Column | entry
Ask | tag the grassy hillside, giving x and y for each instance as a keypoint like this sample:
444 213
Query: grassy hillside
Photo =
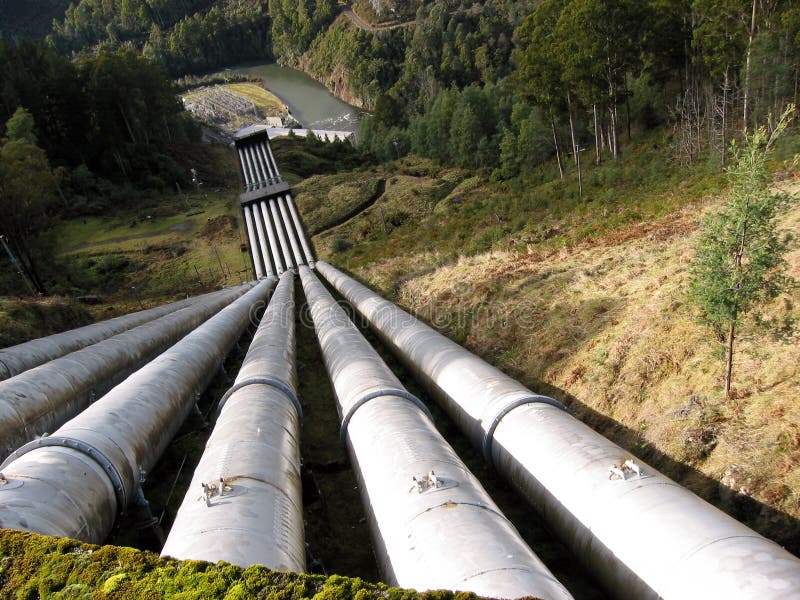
585 299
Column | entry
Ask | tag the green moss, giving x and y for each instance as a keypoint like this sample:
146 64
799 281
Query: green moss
36 566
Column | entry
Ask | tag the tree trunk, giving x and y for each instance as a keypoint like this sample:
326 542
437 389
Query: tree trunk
628 115
572 130
729 366
558 152
746 112
596 134
725 116
613 141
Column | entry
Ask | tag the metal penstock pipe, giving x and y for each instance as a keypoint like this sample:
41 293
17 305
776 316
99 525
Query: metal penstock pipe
434 525
642 534
41 399
17 359
76 482
254 514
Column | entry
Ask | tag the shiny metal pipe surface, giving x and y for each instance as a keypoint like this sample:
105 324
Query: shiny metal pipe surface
299 259
262 150
17 359
254 449
274 164
434 525
643 536
261 177
284 245
41 399
248 185
75 482
251 169
262 239
273 244
254 246
298 225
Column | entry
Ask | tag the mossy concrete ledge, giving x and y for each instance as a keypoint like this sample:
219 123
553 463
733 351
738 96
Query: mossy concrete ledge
37 566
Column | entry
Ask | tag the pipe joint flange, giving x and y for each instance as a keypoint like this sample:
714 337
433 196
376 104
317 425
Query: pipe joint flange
377 394
101 459
488 437
278 385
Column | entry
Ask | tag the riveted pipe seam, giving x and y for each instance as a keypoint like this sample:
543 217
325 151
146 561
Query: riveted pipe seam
372 396
488 438
279 385
106 464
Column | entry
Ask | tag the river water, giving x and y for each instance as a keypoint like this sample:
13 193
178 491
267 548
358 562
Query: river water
309 102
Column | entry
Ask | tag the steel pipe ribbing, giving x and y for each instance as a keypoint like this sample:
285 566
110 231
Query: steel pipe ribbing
17 359
642 534
41 399
255 514
434 525
75 482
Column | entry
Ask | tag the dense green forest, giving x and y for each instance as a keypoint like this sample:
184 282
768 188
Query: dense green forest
498 85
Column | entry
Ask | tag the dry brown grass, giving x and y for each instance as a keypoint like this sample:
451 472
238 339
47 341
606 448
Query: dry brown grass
607 327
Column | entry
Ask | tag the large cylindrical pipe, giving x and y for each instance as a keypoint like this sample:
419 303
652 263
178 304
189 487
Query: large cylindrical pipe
75 482
263 154
273 243
41 399
251 236
264 249
262 163
251 171
17 359
643 535
298 225
274 164
248 177
287 224
261 176
254 450
284 245
434 525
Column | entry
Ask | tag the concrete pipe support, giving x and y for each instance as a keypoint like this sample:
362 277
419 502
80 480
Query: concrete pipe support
255 514
76 482
41 399
434 525
642 534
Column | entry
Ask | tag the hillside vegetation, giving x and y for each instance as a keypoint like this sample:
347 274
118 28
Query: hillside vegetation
586 300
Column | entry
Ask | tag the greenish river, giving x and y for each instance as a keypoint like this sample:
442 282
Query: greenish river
309 102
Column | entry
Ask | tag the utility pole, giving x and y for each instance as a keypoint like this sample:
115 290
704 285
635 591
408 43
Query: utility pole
17 266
